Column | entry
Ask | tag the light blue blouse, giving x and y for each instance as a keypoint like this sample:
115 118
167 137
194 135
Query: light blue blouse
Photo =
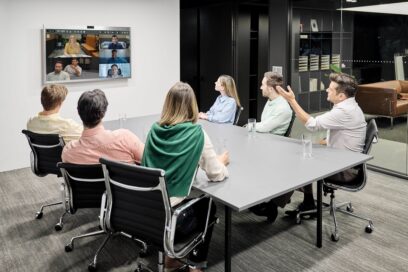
223 110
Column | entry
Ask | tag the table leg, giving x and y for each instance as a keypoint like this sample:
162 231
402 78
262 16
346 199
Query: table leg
227 239
319 214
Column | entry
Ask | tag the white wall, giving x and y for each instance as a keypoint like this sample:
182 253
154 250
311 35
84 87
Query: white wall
155 61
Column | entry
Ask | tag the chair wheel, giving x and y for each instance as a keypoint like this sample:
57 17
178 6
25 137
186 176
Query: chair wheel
58 226
298 221
334 237
38 215
369 229
92 267
349 208
144 253
69 247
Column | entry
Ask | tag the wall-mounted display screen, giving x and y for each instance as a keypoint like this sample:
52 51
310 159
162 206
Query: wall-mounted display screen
86 54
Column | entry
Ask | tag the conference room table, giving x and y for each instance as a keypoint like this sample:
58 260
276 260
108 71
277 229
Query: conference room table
262 166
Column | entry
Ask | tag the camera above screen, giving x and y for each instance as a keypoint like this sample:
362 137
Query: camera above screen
90 53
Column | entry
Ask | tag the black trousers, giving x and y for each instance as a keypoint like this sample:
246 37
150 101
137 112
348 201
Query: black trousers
193 220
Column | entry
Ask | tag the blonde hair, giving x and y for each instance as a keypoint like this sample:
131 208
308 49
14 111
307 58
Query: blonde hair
53 96
229 87
180 105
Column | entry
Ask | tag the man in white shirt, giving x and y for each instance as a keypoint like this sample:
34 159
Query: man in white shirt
58 74
73 69
345 125
49 121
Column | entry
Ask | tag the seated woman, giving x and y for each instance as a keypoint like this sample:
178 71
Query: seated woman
225 106
178 144
72 46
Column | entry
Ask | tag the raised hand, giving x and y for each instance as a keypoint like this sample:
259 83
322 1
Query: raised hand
287 94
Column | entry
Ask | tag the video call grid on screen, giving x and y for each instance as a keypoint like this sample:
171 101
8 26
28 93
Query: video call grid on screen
86 54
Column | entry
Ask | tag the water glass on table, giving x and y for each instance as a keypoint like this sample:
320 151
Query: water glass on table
251 126
307 145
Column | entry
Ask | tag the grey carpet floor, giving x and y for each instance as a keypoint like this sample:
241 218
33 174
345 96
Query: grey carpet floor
28 244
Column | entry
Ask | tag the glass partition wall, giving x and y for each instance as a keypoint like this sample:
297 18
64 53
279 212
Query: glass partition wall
368 41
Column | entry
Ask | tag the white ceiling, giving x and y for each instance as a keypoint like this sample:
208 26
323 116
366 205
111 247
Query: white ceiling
395 8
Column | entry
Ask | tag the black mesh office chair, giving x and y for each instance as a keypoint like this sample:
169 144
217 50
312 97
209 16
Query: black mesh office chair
137 205
45 153
355 185
237 115
84 187
292 120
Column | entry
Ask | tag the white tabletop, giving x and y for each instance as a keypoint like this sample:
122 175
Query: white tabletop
262 166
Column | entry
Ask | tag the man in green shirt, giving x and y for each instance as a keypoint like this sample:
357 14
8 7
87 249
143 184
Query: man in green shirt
277 113
275 119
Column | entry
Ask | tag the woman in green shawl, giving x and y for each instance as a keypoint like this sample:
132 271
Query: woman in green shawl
177 144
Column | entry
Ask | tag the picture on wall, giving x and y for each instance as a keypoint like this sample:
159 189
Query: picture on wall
86 54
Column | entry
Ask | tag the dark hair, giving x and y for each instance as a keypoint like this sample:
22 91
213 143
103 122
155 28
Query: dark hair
114 50
58 61
114 36
114 65
92 106
346 84
273 79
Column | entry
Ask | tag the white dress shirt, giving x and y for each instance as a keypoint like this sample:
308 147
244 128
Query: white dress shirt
345 124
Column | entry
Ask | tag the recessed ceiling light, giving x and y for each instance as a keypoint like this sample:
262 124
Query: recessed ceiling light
351 1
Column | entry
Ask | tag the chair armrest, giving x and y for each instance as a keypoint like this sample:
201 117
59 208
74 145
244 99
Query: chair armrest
196 237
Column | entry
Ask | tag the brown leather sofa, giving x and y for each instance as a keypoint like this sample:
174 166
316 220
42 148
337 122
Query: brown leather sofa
387 99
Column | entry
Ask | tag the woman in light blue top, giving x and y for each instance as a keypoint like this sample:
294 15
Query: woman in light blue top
225 106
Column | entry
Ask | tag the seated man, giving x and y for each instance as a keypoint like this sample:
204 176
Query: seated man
115 58
345 125
115 44
58 74
96 141
73 69
277 113
49 121
275 119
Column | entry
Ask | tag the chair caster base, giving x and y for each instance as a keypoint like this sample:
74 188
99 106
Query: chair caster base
58 226
369 228
38 215
334 237
144 253
92 267
69 247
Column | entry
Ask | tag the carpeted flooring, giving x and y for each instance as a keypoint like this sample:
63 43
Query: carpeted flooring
28 244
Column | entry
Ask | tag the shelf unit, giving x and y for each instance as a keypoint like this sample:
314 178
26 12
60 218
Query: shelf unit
313 54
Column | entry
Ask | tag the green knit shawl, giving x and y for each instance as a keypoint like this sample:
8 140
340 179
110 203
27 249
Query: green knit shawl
177 150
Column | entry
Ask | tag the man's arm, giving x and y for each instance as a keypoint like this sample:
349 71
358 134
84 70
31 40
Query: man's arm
290 97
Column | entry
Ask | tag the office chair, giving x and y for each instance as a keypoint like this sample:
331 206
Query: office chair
84 187
355 185
292 120
45 153
237 115
137 205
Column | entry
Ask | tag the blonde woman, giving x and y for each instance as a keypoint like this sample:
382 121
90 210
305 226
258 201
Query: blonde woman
225 106
72 46
177 144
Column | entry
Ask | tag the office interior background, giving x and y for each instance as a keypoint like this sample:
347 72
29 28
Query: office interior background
196 41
